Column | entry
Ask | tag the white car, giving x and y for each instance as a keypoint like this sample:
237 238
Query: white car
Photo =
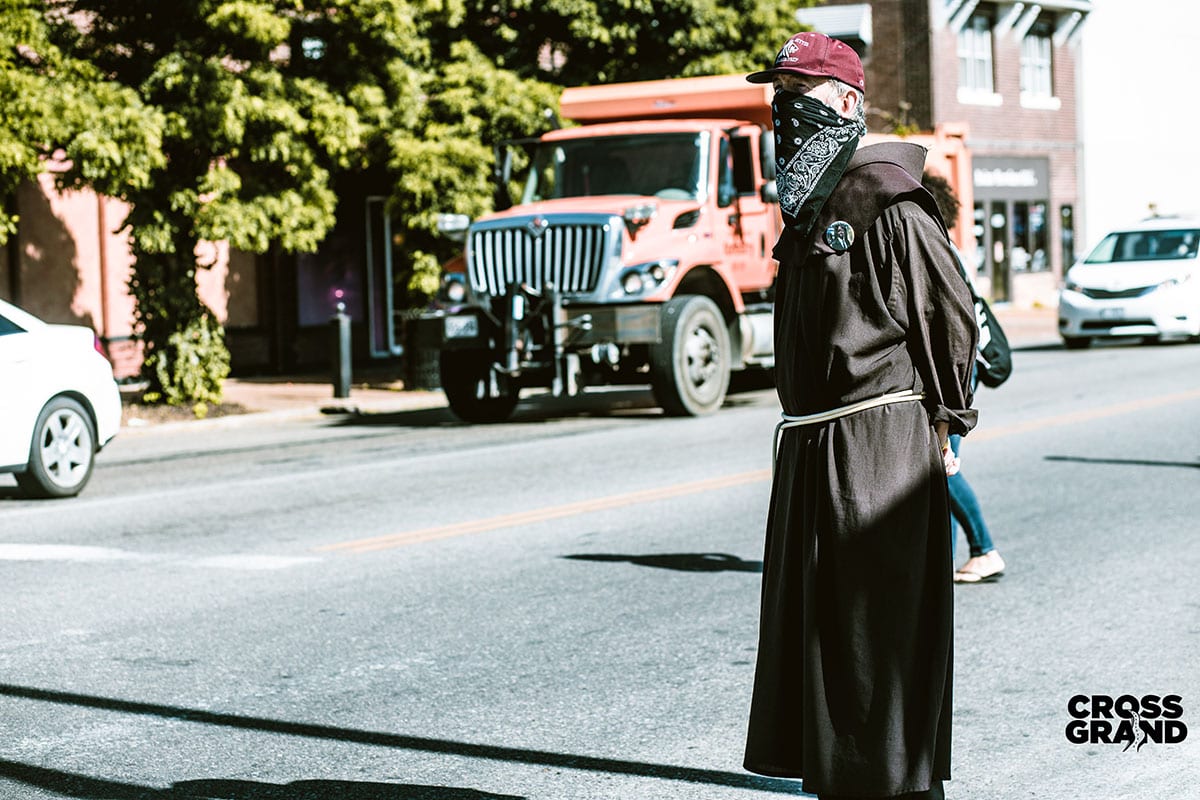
1143 281
59 403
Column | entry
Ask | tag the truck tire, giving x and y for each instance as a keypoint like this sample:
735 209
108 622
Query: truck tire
689 368
62 452
464 376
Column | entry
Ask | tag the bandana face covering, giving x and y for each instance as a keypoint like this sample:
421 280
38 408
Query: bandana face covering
813 144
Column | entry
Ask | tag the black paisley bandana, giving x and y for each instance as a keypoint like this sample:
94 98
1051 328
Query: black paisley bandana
813 144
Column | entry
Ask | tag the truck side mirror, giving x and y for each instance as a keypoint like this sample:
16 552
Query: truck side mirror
501 174
725 196
766 154
726 189
769 192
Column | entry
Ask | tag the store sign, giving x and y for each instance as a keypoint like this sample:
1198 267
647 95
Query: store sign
1006 177
1011 178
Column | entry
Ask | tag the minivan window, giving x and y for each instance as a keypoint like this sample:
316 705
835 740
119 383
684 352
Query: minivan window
1146 246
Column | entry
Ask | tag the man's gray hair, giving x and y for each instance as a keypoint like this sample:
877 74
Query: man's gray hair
859 112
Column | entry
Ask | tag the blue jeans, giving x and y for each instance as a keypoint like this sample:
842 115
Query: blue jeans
965 511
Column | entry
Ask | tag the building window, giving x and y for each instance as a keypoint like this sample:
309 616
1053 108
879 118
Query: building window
1037 73
975 73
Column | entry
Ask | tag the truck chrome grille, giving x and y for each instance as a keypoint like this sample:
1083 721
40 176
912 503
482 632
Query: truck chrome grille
536 251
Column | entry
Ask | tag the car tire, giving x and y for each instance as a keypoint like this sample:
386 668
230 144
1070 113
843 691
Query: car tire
689 368
1077 342
464 375
62 453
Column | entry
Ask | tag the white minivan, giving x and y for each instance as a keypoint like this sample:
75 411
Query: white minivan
59 403
1140 281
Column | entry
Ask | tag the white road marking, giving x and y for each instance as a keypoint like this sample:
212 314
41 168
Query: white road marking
18 551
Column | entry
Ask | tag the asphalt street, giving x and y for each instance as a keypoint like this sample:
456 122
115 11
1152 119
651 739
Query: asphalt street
398 606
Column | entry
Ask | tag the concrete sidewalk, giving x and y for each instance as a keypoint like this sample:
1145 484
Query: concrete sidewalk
380 390
1029 327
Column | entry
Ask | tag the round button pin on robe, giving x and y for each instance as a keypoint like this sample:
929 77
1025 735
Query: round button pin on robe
839 236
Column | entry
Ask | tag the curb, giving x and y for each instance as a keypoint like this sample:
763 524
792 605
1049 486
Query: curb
416 401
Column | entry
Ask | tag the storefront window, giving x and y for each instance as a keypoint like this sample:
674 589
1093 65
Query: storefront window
1020 248
1012 228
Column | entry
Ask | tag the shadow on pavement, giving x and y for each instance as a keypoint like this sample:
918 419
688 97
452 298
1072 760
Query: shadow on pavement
422 744
632 404
682 562
83 786
1124 462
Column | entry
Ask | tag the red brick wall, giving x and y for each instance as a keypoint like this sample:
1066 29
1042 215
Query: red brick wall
896 63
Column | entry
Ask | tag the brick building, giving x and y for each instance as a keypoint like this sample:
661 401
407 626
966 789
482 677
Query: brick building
1006 72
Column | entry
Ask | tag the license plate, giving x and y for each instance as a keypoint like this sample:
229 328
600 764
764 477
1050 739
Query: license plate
462 327
1112 313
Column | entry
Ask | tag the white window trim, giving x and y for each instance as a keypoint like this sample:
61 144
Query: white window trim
977 97
1040 101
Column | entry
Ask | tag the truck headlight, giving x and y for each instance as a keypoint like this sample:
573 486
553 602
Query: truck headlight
454 288
642 278
1170 283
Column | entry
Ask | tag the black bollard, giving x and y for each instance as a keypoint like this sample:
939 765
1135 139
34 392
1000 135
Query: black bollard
340 323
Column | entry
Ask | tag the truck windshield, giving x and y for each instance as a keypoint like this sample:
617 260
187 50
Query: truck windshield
664 165
1145 246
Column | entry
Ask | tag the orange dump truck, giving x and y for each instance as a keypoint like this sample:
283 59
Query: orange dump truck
638 253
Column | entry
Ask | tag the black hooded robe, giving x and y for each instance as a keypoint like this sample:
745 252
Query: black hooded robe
852 686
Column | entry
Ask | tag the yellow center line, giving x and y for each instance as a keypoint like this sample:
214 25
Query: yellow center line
1073 417
710 484
549 513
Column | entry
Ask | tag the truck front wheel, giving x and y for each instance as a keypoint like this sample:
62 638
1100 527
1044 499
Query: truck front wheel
689 368
466 378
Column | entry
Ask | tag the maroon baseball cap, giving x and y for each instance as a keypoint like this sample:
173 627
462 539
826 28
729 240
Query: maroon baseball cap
811 53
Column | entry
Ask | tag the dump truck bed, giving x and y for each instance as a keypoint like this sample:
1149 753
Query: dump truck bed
718 96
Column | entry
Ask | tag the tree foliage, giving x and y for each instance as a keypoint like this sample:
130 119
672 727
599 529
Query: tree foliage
241 116
607 41
54 105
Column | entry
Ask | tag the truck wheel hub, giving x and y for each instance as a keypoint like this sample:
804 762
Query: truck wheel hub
703 356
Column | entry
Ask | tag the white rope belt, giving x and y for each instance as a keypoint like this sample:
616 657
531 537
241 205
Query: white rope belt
906 396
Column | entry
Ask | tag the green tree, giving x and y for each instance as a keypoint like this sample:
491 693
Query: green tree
267 105
607 41
57 106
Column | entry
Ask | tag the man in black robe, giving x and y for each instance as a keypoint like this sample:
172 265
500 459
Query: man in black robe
874 341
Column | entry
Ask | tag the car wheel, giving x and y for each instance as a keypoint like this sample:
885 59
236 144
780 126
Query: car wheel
465 377
689 369
1076 342
62 453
